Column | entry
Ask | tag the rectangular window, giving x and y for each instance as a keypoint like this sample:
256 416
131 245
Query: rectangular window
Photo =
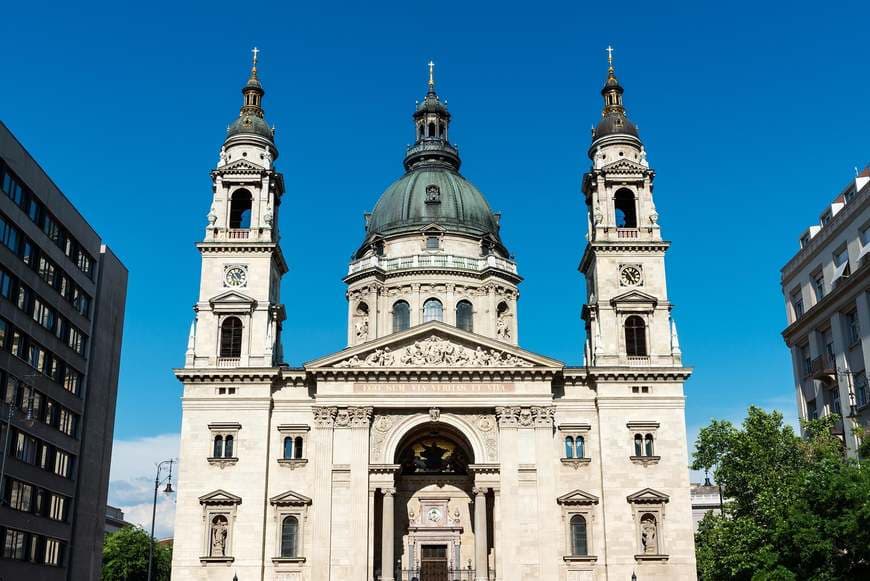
72 380
826 218
14 545
20 496
62 463
861 388
5 284
797 303
57 508
806 360
853 331
53 552
812 412
819 285
66 421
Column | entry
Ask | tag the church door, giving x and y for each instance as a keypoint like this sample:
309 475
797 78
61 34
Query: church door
433 563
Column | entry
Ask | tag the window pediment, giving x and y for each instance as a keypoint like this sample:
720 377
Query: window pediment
220 497
648 495
232 302
577 497
240 166
290 498
634 300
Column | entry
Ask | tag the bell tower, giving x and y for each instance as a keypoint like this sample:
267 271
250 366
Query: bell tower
239 313
627 313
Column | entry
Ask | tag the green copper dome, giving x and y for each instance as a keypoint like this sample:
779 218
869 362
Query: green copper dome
250 124
432 195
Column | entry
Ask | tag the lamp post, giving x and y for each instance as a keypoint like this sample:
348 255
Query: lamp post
10 413
167 490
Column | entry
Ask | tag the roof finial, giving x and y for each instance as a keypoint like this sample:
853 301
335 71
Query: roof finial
609 50
431 76
256 51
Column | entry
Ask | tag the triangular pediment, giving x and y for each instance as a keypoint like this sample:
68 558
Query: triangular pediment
434 345
220 497
624 166
577 497
433 228
634 297
232 300
648 495
290 498
240 166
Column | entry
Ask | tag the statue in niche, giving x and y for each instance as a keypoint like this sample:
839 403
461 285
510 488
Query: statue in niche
362 329
502 329
219 528
648 535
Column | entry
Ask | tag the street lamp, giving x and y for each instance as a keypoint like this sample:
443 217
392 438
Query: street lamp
166 490
29 420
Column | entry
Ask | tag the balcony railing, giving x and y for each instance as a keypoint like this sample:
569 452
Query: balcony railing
228 361
823 368
238 233
638 360
447 574
626 232
433 261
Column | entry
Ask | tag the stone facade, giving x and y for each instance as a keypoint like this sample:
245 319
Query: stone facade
828 311
434 447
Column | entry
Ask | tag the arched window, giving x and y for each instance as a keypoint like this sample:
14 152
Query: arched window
288 448
297 448
465 316
231 337
218 450
433 311
635 337
580 447
626 211
569 447
431 130
579 546
401 316
228 447
289 533
240 209
421 131
638 445
648 450
441 130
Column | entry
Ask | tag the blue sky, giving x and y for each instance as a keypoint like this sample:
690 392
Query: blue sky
753 115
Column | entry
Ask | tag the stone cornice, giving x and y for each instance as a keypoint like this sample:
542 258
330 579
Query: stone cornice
829 232
639 373
245 246
620 246
410 374
382 276
820 312
228 374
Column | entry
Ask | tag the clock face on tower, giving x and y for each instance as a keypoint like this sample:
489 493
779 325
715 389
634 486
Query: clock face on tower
434 515
630 276
236 276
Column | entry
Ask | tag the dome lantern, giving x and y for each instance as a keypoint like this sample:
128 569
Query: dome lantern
431 124
251 118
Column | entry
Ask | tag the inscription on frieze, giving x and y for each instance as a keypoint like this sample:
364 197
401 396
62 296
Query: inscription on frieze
459 388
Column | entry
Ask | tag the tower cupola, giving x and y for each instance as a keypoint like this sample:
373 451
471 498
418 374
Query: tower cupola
431 124
251 120
614 120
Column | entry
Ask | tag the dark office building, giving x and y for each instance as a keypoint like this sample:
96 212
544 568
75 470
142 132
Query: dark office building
62 294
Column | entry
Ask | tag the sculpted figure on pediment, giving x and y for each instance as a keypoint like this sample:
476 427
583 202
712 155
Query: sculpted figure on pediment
435 351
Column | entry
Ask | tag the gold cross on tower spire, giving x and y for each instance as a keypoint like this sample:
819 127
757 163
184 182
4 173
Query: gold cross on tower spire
431 74
256 51
609 50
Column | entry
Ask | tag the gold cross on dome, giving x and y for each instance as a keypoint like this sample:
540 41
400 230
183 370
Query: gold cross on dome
256 51
431 73
609 50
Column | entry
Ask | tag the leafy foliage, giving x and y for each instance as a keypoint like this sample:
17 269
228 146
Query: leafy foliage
125 557
797 508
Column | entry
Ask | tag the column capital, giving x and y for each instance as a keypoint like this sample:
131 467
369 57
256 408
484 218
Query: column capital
480 490
388 491
324 417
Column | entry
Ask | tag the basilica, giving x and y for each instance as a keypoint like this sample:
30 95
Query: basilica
433 447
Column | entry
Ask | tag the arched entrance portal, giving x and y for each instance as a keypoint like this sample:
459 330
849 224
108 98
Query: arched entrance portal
435 524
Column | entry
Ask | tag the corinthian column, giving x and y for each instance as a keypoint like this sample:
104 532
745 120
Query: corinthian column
480 543
387 540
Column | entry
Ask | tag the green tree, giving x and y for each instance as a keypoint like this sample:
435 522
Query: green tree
125 557
796 508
